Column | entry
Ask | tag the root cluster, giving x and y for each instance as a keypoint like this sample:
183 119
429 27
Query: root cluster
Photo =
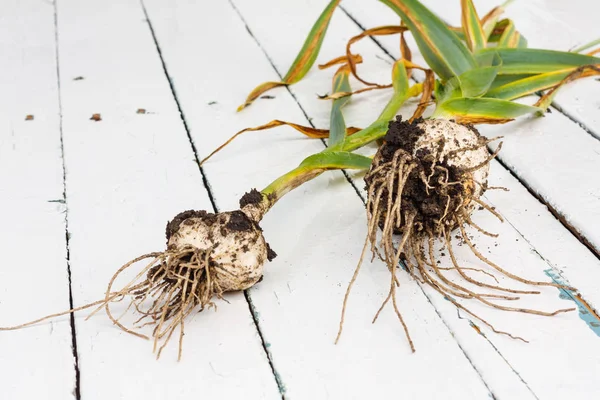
207 255
424 198
172 286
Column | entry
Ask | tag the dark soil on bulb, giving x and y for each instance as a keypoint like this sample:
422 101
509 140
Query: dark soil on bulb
428 204
251 197
173 225
239 222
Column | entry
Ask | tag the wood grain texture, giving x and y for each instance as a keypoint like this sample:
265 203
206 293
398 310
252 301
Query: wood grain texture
510 370
130 172
34 275
127 175
317 230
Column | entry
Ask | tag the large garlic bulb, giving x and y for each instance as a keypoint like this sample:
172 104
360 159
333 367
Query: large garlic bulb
436 170
457 145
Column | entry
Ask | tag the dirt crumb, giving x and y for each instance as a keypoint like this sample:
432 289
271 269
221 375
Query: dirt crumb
251 197
96 117
270 253
403 134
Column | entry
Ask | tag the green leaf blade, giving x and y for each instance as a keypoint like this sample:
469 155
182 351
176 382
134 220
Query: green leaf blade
337 124
442 49
484 108
337 160
528 85
305 58
536 61
476 82
312 45
401 91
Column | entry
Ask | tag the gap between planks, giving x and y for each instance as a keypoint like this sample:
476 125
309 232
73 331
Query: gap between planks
287 87
77 387
247 296
360 195
510 171
559 216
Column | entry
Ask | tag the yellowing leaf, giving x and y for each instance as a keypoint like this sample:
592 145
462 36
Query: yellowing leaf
474 34
313 166
339 95
528 85
535 61
356 58
482 109
581 72
441 48
258 91
305 58
490 20
510 37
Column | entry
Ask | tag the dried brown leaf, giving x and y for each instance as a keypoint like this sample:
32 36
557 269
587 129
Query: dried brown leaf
309 131
426 95
378 31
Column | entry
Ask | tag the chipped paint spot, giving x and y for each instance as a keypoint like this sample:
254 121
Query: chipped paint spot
586 312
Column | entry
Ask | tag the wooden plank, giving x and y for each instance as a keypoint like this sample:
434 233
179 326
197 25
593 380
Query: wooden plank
532 219
492 354
34 275
127 175
530 148
298 303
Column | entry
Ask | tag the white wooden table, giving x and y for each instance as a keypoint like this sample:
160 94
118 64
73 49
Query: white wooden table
79 197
